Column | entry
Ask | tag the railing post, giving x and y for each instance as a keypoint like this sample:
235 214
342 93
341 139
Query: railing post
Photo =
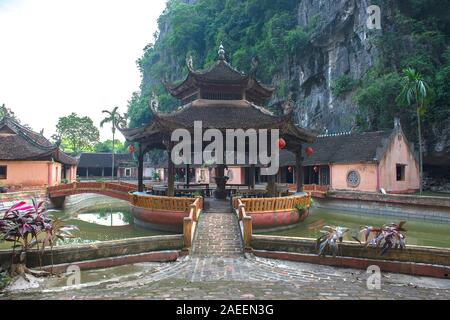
187 232
247 221
194 212
241 208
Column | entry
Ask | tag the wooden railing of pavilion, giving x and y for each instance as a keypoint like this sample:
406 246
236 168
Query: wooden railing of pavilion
190 222
255 205
162 203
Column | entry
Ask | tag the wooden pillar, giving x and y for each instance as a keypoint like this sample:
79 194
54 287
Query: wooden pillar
188 176
271 185
87 173
252 176
299 169
141 169
170 172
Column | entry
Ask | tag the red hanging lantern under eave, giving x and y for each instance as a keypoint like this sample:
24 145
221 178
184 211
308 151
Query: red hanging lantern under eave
281 143
309 151
131 149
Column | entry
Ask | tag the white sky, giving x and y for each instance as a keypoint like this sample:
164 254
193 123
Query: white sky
63 56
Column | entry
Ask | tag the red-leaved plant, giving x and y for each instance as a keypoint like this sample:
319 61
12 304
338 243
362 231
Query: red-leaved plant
29 226
387 237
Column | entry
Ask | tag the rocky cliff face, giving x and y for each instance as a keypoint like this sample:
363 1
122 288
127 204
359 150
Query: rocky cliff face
339 47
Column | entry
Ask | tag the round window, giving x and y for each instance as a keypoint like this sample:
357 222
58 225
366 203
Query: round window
353 179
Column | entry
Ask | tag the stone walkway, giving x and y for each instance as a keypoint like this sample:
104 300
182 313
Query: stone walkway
218 233
218 269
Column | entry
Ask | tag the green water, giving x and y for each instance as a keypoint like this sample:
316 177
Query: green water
419 232
100 224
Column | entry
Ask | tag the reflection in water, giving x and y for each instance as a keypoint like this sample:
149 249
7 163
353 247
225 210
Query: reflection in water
114 219
422 233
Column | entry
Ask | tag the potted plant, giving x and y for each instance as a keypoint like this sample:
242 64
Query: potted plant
387 237
330 239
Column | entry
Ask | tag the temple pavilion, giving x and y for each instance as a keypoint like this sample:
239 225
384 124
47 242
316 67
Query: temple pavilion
222 98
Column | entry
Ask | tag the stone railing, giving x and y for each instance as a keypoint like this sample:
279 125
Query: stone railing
246 224
255 205
190 222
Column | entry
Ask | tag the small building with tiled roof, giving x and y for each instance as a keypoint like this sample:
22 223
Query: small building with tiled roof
368 161
29 160
99 165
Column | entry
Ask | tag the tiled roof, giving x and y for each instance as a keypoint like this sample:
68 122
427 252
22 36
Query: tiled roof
103 160
20 143
342 148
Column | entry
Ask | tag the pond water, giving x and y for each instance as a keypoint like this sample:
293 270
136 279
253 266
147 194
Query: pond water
100 224
419 232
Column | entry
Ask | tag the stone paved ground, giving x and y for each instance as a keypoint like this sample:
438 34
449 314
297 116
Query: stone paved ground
233 276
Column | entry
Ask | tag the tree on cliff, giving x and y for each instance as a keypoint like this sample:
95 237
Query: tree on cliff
76 134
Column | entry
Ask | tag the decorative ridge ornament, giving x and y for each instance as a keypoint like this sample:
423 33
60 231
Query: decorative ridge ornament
221 52
190 63
153 103
254 66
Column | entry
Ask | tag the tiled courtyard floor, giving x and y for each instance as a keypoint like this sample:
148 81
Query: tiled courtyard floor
217 269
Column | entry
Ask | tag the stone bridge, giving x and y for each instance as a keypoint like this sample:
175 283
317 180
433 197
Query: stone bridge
118 190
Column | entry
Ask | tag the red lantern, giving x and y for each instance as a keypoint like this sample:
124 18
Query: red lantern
290 169
309 151
131 149
316 168
281 143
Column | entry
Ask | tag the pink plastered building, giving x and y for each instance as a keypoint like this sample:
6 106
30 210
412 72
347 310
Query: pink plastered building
29 161
367 162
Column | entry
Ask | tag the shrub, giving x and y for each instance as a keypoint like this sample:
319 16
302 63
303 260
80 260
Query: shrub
342 85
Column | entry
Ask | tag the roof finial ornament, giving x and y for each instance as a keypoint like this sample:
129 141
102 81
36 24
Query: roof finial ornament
221 52
190 62
153 103
254 65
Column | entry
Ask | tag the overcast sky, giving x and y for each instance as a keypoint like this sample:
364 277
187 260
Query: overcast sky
63 56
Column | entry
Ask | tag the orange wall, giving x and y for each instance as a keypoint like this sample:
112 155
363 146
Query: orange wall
399 153
367 173
31 173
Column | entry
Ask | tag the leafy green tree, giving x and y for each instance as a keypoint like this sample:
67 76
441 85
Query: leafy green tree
416 92
77 134
114 118
107 147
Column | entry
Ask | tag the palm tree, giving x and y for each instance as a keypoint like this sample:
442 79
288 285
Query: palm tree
416 92
114 117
